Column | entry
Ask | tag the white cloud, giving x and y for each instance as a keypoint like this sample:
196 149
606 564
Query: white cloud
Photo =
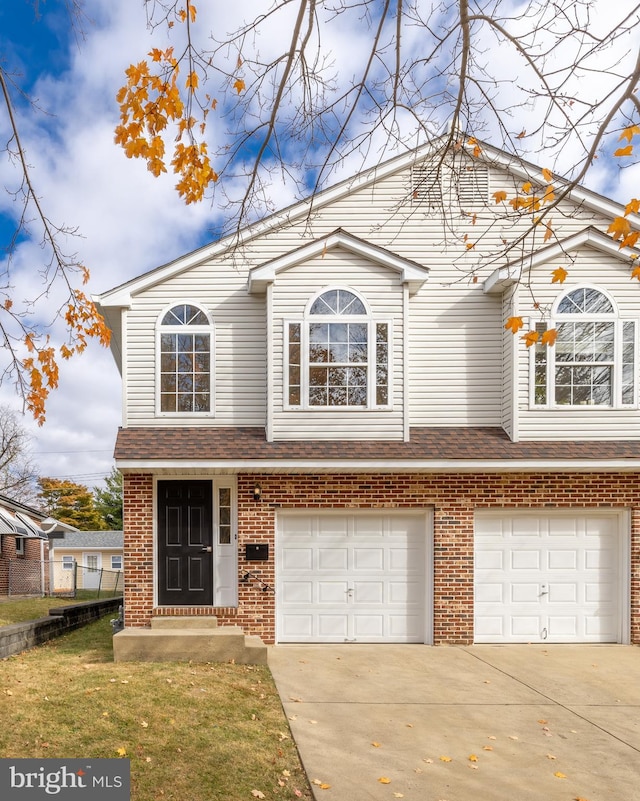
130 221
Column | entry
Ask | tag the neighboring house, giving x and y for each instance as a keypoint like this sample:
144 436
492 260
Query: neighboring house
23 548
329 436
87 559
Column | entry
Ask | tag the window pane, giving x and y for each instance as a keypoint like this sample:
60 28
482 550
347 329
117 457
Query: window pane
585 301
295 354
338 301
628 362
167 403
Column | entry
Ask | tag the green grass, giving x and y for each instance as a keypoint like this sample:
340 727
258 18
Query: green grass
19 610
193 732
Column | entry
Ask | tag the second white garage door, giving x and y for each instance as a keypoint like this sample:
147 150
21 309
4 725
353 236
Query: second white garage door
352 577
546 576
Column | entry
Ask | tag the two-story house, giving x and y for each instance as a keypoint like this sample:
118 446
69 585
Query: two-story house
329 435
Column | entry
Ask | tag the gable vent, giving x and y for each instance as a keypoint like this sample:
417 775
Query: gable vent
426 185
473 186
469 185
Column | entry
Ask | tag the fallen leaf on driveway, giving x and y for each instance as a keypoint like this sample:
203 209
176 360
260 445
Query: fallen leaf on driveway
473 758
384 780
559 775
376 745
445 759
257 794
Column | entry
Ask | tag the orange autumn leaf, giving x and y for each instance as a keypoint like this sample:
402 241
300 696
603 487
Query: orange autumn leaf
499 196
445 759
629 133
473 758
514 324
547 175
530 338
526 187
635 273
619 228
632 207
549 337
630 240
559 275
624 151
239 85
559 775
384 780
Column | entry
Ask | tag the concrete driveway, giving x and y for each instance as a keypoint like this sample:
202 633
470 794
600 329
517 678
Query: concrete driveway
478 723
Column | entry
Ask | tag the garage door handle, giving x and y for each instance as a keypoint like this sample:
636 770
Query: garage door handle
544 592
349 592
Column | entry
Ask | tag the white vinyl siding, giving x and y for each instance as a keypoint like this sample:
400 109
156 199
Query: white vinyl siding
238 352
292 292
535 422
459 359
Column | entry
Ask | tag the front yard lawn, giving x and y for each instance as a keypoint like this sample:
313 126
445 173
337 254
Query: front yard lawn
193 732
21 609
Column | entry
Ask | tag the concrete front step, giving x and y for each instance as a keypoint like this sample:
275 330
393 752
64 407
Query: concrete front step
215 644
183 622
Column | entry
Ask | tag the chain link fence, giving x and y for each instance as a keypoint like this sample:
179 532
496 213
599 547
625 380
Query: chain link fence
65 579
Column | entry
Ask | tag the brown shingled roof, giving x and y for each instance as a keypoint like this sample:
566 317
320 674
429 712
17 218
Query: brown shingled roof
235 443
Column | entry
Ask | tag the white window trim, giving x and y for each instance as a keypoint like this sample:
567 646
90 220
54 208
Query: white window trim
304 404
617 364
192 329
120 559
68 562
20 549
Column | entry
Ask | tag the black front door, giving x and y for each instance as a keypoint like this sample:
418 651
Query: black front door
185 543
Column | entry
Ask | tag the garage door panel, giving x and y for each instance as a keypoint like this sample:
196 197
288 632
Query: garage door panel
525 626
364 582
297 558
331 628
331 592
490 593
297 592
489 559
332 559
368 559
368 592
560 593
525 560
558 583
523 593
562 559
370 627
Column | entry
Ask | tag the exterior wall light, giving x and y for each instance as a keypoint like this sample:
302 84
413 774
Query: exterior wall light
257 492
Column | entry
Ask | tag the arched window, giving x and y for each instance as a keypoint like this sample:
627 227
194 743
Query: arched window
339 355
184 371
593 360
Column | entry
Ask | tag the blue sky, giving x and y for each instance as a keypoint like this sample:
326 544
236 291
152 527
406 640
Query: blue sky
128 221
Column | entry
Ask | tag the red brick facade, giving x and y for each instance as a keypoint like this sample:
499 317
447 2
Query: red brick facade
453 498
32 552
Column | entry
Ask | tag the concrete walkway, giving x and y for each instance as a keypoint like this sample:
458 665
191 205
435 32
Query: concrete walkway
479 723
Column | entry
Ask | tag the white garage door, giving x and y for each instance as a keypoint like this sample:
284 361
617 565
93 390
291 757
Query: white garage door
351 577
549 577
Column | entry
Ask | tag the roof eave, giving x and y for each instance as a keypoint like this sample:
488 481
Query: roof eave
378 465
